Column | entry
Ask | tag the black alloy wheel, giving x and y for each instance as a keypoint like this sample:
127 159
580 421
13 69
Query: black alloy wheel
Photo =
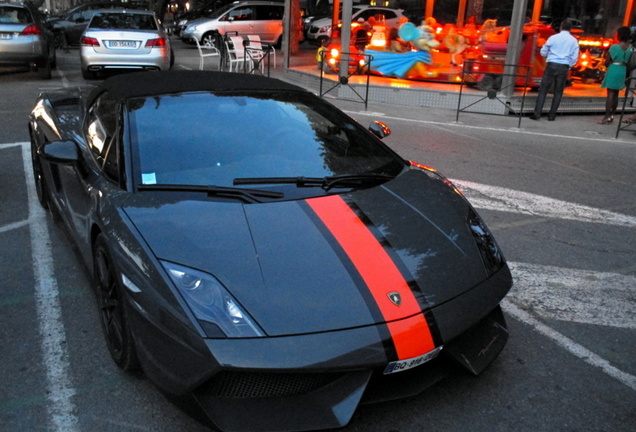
112 308
60 40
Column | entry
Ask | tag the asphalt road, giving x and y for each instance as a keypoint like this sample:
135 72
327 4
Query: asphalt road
558 196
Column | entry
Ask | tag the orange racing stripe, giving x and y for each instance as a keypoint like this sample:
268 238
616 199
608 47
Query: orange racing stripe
411 337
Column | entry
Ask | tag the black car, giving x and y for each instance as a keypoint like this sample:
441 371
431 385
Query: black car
25 38
69 25
254 246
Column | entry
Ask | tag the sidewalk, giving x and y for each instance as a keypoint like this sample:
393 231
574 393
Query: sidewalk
580 125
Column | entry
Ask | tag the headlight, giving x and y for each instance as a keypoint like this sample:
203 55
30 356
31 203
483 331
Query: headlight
211 303
489 250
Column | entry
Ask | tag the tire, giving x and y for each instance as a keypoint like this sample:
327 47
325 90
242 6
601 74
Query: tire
171 58
489 82
54 60
44 68
38 176
112 305
210 39
88 75
322 40
60 40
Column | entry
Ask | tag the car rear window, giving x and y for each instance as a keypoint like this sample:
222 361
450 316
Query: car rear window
120 21
14 15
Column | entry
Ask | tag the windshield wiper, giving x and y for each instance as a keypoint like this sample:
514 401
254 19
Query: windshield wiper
246 195
346 180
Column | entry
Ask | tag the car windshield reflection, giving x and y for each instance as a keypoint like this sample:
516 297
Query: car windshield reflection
211 139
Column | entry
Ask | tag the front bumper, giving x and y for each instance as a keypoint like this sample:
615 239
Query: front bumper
188 34
271 401
316 381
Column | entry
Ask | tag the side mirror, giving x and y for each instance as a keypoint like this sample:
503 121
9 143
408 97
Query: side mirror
379 129
61 152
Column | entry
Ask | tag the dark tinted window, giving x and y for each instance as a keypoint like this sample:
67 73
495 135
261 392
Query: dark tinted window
265 13
83 15
101 130
241 14
122 21
14 15
368 13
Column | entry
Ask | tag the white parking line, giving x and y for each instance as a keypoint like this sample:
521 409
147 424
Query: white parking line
579 296
513 201
572 347
52 334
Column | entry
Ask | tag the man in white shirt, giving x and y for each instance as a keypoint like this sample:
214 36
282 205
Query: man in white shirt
561 52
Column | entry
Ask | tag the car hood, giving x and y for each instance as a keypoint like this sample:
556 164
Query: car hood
308 266
321 22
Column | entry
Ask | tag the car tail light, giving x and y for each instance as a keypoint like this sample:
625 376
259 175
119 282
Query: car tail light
89 41
31 30
160 42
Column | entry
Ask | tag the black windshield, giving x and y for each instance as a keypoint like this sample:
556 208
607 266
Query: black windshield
212 139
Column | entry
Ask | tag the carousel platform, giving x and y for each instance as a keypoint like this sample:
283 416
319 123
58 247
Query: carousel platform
577 98
443 92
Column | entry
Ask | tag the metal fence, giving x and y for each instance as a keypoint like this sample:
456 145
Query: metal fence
492 85
357 64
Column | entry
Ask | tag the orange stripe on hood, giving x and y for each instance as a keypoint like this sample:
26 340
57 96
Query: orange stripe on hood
412 336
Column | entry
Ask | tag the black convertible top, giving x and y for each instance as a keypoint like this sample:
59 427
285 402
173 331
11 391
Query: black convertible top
137 84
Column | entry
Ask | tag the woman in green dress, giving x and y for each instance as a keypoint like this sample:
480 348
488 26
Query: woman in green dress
616 61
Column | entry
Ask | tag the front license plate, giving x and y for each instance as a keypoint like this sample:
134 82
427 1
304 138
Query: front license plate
122 44
402 365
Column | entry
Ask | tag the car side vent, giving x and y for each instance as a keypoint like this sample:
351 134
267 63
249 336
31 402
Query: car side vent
244 385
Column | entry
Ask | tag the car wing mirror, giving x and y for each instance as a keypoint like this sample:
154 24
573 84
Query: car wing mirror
379 129
61 152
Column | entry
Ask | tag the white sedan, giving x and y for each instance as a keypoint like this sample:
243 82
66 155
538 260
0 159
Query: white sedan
124 39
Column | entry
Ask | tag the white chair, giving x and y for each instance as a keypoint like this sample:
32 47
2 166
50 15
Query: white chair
236 54
257 52
211 52
269 51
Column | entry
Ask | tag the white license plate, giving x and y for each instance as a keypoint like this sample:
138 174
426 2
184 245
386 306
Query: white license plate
5 35
122 44
402 365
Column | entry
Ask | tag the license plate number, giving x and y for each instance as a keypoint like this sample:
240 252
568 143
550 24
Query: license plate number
122 44
402 365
